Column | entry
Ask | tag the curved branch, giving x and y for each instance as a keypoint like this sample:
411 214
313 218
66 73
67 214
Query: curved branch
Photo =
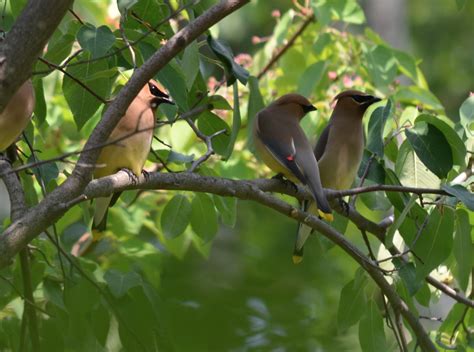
25 42
249 191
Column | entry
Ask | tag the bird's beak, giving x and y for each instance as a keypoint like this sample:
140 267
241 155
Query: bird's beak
309 108
371 100
162 100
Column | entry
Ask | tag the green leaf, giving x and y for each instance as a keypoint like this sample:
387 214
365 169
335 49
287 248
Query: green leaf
400 219
407 273
224 54
376 170
418 95
462 194
406 64
371 329
466 113
173 78
210 123
59 48
411 171
125 5
53 293
311 77
431 147
458 147
204 217
218 102
178 158
352 304
45 172
119 283
381 65
95 40
82 103
176 216
236 123
190 64
463 249
338 10
435 242
375 129
227 207
40 105
255 104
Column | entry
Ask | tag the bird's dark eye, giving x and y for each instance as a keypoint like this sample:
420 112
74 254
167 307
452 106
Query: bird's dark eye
156 91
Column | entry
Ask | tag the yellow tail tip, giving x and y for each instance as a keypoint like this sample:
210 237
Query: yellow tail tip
97 235
297 259
326 216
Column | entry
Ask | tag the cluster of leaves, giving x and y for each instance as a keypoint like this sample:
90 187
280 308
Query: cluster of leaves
114 299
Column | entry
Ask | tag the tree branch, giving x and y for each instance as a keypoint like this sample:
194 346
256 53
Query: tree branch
18 208
249 191
25 42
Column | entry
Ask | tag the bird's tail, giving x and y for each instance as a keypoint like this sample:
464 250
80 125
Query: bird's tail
100 217
303 232
324 209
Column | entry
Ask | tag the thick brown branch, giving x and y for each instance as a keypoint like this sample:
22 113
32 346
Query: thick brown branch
25 42
248 190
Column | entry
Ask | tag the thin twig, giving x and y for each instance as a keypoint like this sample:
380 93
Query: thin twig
194 112
206 139
283 49
78 81
71 11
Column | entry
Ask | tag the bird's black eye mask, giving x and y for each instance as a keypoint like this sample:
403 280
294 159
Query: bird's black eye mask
156 91
160 97
365 100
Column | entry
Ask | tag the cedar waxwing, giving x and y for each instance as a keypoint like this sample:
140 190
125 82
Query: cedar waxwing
16 115
130 153
283 146
13 120
338 151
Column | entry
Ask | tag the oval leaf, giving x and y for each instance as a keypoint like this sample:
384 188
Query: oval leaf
176 216
431 147
95 40
204 217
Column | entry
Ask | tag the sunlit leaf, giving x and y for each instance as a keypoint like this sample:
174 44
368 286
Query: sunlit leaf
236 123
466 112
218 102
176 216
418 95
463 249
311 77
227 207
411 171
338 10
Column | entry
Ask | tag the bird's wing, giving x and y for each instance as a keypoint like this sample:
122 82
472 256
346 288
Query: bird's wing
322 142
280 144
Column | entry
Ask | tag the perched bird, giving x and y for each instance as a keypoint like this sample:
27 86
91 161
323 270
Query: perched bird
13 120
16 115
130 153
338 151
283 146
